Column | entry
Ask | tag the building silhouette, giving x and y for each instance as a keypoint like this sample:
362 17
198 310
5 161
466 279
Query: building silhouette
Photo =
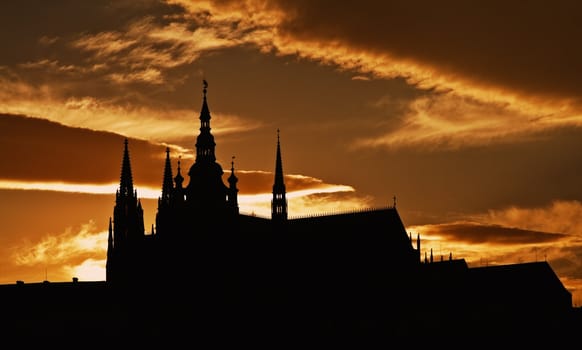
210 272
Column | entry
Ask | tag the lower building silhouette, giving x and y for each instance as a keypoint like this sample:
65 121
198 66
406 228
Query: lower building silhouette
206 272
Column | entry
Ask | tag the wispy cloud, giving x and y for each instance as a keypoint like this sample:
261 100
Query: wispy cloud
449 120
322 199
163 124
74 244
146 48
559 216
148 75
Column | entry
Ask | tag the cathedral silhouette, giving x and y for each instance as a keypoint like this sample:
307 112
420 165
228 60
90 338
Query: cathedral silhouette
204 214
207 271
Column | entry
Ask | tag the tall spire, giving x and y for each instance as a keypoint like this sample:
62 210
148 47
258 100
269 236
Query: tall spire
205 142
126 180
128 213
279 183
167 186
179 179
232 190
279 202
206 191
205 112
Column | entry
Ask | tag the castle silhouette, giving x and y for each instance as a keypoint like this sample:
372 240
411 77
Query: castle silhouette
208 271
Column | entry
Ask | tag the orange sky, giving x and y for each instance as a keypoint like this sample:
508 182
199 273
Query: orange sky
468 112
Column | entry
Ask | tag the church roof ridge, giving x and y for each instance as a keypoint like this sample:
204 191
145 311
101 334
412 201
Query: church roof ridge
342 212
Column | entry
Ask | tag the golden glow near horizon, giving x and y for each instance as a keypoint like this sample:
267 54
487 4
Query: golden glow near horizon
73 253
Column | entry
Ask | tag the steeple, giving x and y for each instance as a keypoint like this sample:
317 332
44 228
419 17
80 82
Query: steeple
172 197
179 179
128 213
431 257
232 190
167 186
206 193
127 229
205 144
232 179
279 202
126 179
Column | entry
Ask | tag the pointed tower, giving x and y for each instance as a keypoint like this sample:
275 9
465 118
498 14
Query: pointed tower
279 201
126 178
431 256
232 190
164 213
127 232
205 144
127 215
206 194
167 183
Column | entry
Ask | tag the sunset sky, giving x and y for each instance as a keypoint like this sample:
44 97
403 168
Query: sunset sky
468 112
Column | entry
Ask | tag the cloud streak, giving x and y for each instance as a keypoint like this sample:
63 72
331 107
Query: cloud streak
490 234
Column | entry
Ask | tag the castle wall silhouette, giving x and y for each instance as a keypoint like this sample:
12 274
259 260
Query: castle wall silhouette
209 271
